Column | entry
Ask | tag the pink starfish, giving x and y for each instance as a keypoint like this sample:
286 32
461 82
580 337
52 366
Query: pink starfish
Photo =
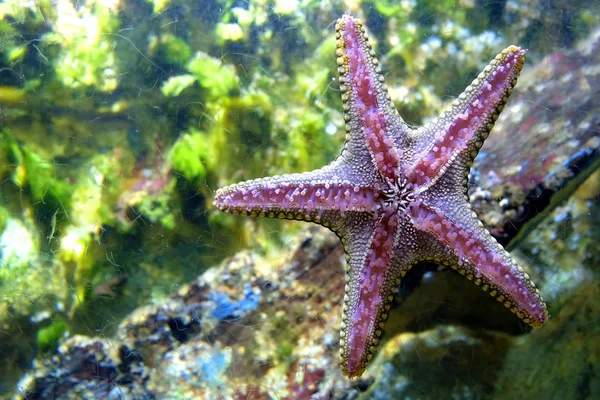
397 196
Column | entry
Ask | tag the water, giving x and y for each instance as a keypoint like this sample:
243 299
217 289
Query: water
120 279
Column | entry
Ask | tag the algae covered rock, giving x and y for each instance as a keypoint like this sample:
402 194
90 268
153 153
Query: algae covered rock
197 342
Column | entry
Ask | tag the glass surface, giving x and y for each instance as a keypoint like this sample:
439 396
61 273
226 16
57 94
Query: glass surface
120 279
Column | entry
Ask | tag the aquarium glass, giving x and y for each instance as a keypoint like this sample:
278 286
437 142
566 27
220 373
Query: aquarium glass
135 265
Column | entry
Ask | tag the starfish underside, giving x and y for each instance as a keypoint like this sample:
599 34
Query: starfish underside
397 196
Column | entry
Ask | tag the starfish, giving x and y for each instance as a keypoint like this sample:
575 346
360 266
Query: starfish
397 196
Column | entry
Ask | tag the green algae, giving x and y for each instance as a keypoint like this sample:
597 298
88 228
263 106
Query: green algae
48 338
31 172
85 60
188 157
247 122
388 8
159 5
173 50
218 79
159 209
173 86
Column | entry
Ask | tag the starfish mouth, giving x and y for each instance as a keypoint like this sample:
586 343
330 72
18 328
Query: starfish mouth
398 194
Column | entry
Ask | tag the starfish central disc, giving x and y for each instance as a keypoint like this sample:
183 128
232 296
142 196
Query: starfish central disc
397 194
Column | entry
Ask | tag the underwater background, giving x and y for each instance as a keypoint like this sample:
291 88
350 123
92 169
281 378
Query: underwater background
119 279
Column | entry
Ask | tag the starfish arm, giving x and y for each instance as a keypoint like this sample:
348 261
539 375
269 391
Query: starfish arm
320 196
371 279
374 128
464 126
470 249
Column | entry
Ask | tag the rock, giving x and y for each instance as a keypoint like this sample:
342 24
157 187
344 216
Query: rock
88 368
544 145
244 330
255 329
